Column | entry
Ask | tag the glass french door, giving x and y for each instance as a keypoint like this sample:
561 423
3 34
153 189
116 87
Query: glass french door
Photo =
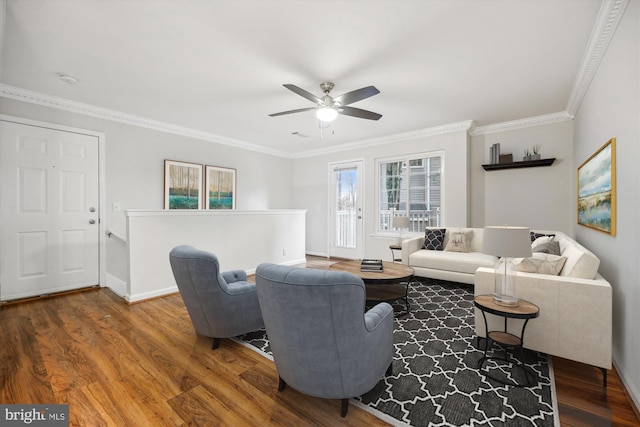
346 217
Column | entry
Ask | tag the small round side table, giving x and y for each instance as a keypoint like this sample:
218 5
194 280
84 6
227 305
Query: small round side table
524 310
393 249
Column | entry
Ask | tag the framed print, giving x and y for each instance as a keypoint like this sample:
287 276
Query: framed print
182 185
597 190
220 187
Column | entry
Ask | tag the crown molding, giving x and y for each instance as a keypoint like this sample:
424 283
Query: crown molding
546 119
401 137
609 16
32 97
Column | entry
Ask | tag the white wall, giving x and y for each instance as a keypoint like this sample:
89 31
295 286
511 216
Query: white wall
611 108
135 170
240 239
311 184
539 198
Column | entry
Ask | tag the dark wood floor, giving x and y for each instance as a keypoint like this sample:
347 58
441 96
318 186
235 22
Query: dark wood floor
142 365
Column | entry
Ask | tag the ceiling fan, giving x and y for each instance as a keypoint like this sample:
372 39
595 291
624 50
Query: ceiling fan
327 107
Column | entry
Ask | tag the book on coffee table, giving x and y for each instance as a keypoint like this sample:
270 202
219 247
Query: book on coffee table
371 265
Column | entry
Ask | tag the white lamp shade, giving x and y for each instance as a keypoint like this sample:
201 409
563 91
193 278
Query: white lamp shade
326 114
400 222
505 241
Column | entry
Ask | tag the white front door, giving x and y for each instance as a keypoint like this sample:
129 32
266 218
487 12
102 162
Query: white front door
346 217
49 233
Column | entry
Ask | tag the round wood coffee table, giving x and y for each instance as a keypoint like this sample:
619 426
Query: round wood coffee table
390 284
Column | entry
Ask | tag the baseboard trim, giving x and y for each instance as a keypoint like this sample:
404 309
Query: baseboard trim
117 286
632 393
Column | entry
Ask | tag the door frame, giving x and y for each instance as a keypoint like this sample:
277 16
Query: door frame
101 180
360 240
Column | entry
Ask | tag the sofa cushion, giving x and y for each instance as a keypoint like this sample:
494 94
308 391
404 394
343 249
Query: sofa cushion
459 241
551 247
540 263
433 238
542 239
580 262
462 262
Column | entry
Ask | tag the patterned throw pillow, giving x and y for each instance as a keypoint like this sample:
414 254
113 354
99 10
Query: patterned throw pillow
551 247
534 236
434 238
459 241
540 263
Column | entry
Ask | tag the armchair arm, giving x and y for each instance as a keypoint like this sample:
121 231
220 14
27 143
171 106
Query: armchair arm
377 314
235 276
240 287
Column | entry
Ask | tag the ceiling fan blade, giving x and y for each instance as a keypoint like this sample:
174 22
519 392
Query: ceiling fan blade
299 110
356 95
303 93
357 112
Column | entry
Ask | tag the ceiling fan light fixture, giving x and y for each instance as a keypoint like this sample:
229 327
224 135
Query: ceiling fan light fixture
326 114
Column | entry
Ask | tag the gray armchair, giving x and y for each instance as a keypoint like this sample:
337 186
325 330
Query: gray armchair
323 342
220 304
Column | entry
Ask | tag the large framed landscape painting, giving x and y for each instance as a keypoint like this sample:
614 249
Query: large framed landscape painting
597 190
220 186
182 185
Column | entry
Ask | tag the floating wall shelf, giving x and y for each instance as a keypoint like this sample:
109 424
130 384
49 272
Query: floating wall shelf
514 165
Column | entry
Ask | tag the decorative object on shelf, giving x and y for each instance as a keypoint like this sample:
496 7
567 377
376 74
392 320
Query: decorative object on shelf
182 185
532 155
535 153
400 223
597 190
220 185
494 153
529 164
505 158
506 242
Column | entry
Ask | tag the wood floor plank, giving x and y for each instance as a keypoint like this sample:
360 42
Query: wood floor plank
24 378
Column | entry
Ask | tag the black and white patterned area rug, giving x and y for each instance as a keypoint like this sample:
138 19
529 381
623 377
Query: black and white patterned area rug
435 379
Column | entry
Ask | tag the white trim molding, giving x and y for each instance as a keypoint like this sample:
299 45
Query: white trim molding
32 97
401 137
609 16
522 123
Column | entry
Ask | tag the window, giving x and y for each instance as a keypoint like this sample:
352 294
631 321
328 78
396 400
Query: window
413 191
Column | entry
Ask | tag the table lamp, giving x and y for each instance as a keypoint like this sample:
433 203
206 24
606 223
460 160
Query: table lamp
400 223
506 242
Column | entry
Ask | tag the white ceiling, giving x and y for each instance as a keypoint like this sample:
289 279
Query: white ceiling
217 67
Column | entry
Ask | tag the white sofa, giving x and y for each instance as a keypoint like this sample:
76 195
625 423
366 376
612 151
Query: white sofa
444 265
575 320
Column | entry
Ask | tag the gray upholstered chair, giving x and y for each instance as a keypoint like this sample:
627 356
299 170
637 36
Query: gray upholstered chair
220 304
323 342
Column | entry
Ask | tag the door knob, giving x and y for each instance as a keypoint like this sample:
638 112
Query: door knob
92 221
92 209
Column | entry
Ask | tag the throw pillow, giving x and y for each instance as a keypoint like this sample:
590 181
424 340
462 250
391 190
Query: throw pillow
459 241
434 238
534 235
542 239
540 263
552 248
